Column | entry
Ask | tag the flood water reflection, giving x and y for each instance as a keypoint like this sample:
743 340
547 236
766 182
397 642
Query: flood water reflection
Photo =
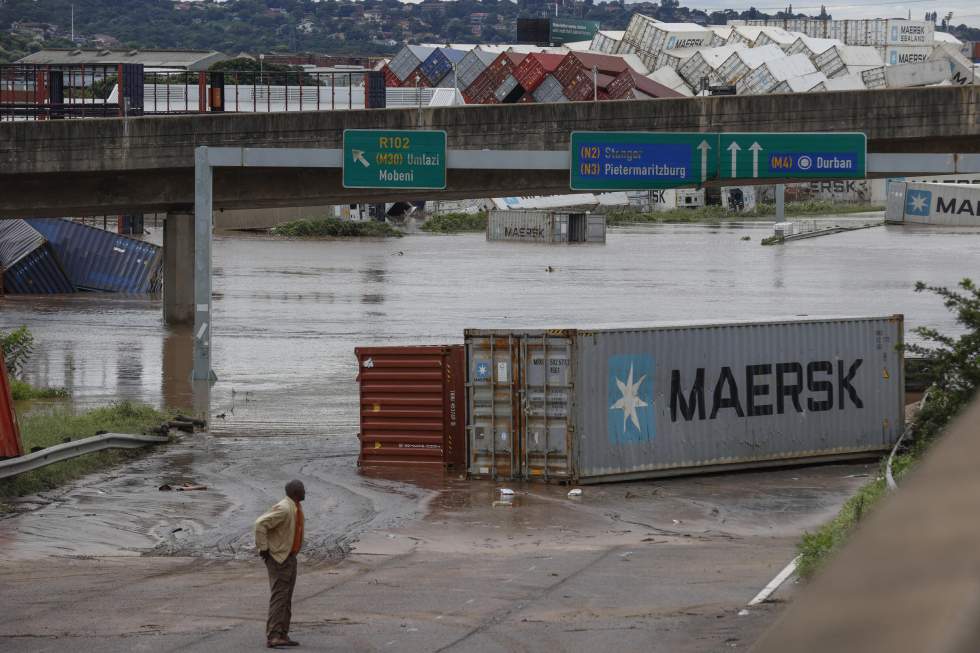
288 314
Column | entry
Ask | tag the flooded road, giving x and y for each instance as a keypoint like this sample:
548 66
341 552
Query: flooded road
288 314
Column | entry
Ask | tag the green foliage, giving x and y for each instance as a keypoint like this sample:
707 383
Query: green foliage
23 391
334 228
17 347
716 213
953 364
245 70
451 223
48 429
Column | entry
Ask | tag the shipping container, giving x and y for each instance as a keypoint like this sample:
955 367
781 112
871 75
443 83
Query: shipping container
770 74
916 74
615 404
474 63
412 403
39 272
439 64
547 227
848 82
629 84
668 77
874 77
653 36
869 32
742 62
847 59
586 87
549 90
11 445
99 260
481 91
744 36
721 35
897 55
391 79
776 36
606 42
408 59
509 91
811 46
17 240
673 59
952 205
576 63
535 67
811 83
705 63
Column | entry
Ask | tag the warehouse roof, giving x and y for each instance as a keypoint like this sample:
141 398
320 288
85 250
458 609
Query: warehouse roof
177 59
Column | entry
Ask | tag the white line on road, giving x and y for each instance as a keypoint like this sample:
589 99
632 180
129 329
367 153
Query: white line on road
776 582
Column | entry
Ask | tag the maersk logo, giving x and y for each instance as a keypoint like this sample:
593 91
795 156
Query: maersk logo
918 202
670 42
894 33
894 57
631 415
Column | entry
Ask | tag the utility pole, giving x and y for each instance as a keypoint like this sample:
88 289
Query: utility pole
73 23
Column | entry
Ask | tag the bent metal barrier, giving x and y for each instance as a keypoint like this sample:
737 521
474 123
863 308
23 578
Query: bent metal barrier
60 452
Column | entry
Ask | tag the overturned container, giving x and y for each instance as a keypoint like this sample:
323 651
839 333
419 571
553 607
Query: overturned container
546 227
411 406
620 404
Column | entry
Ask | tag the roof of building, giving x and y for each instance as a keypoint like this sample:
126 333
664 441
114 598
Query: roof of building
178 59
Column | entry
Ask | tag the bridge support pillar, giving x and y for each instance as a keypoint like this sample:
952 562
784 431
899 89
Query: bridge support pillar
178 269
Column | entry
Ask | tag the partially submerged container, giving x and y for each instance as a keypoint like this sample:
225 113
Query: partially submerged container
411 406
548 227
28 265
951 205
630 403
99 260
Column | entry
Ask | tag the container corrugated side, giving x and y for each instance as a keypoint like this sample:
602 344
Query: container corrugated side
37 273
917 74
951 205
408 60
527 226
411 405
17 240
549 90
100 260
678 399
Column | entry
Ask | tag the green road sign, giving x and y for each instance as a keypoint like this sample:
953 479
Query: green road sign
569 30
839 155
641 160
648 160
392 158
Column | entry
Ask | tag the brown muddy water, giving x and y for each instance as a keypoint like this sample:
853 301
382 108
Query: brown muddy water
288 315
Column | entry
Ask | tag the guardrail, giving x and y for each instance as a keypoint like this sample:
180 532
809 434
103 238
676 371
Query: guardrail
61 452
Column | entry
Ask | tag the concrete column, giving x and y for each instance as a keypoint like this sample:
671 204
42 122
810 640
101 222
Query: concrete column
178 269
780 202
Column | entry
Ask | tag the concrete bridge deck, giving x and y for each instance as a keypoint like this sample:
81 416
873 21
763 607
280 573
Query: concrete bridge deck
97 166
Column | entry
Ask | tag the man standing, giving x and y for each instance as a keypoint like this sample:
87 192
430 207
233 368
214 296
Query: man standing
278 537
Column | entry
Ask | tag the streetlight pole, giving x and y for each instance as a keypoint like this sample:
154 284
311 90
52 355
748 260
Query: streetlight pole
261 61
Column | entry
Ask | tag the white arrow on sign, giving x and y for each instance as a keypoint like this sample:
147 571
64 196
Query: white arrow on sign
704 147
756 148
734 148
358 156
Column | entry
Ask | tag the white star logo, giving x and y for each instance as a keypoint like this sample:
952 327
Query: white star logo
630 401
482 370
917 202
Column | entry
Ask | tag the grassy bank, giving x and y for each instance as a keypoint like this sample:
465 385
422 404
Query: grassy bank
24 391
454 223
334 228
718 213
47 429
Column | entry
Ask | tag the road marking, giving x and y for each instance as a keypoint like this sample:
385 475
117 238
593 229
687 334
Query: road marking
734 149
774 584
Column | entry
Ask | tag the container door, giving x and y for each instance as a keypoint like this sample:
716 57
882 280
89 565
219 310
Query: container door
546 389
895 210
492 418
597 229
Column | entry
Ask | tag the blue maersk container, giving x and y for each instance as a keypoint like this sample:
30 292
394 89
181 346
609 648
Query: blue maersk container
27 263
100 260
438 64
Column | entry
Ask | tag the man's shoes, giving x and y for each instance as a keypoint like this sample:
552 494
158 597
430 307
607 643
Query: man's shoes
290 642
276 642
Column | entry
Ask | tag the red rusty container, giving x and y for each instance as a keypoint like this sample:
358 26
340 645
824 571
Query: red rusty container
10 443
533 69
412 406
623 87
416 78
576 63
482 89
391 79
580 89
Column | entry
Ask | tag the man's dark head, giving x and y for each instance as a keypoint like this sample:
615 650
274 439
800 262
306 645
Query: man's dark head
295 490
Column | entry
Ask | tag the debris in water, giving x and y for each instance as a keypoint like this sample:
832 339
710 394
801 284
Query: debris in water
505 491
743 612
500 504
186 487
577 492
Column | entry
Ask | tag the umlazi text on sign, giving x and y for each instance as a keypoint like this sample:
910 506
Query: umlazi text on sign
413 159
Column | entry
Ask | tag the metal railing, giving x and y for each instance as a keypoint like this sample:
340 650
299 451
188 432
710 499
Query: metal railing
58 453
33 92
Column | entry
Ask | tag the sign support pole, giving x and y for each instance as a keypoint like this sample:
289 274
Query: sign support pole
780 202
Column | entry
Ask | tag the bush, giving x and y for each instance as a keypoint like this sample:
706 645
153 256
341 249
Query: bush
710 213
452 223
334 228
17 347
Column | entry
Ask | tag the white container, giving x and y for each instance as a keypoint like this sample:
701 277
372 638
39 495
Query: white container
776 36
738 198
743 62
672 58
874 77
910 32
705 63
811 83
873 32
847 59
846 82
767 76
547 227
722 34
952 205
668 77
916 74
653 36
606 41
898 55
743 35
605 404
811 46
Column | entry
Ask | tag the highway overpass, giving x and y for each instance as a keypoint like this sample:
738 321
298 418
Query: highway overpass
79 167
